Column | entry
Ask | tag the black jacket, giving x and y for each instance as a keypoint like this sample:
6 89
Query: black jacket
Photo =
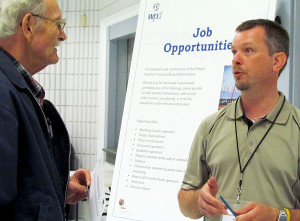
34 164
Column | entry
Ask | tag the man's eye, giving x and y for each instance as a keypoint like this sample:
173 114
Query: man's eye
249 50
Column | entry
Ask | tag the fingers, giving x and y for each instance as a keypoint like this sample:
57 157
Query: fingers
257 211
209 191
245 213
83 177
76 192
75 197
211 210
213 185
246 209
208 204
77 189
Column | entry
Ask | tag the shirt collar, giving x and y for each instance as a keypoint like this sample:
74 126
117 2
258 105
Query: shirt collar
282 118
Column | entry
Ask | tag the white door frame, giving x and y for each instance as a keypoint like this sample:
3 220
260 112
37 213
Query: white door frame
103 71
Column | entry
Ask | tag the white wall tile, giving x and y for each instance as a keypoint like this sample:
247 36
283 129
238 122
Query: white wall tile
63 5
63 97
83 5
69 98
70 51
71 65
70 32
72 6
77 19
71 18
97 7
78 6
69 84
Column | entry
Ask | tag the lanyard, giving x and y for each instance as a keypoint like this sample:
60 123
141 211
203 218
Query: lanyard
242 170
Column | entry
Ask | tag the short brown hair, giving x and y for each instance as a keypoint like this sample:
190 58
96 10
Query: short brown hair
277 38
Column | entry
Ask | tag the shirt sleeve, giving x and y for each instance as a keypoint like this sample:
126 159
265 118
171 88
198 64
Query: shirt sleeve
197 172
297 190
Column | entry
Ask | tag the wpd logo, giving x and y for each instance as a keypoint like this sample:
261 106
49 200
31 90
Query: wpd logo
156 6
157 14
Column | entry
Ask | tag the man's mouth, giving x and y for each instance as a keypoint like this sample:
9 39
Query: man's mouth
57 44
238 71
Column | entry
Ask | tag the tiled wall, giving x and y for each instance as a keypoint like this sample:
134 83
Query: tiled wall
73 84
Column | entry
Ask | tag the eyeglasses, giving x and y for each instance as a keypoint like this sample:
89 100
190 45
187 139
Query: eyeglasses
60 22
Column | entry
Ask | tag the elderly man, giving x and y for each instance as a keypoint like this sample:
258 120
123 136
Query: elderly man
248 151
34 143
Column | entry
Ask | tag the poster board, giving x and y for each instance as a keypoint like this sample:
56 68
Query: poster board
180 54
96 193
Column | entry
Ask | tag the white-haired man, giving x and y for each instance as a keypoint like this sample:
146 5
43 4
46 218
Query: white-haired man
34 142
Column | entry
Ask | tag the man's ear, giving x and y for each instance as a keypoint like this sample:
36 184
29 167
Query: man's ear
280 59
27 26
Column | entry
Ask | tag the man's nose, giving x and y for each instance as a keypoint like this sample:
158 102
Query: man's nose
62 36
237 58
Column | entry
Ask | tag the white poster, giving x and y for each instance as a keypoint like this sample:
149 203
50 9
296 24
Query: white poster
181 51
96 199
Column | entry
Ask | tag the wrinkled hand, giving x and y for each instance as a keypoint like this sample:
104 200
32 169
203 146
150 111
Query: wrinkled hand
77 189
257 212
207 202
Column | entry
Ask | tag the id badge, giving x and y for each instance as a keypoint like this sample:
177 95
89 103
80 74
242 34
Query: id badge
234 206
228 217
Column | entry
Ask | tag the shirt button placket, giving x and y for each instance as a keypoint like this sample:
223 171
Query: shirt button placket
250 142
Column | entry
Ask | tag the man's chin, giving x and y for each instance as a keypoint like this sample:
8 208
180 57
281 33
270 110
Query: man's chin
242 87
54 59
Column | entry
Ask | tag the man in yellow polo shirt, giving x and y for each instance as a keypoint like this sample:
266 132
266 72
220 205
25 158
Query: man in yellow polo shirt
248 152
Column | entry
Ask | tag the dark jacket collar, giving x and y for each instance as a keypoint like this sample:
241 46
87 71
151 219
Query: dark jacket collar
11 72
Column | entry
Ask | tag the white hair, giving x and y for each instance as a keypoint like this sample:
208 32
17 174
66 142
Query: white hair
13 11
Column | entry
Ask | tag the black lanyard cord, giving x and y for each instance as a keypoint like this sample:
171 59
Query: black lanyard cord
236 136
242 170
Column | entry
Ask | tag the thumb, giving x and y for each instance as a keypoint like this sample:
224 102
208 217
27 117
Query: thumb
77 187
213 185
246 209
